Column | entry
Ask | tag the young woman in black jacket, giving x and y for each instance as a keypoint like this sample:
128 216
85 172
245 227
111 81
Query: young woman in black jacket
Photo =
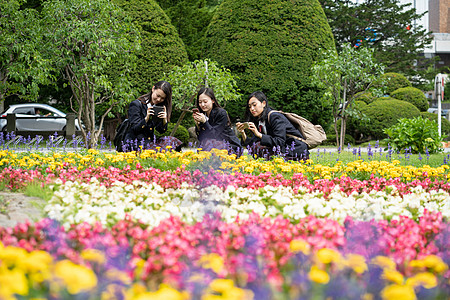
147 113
213 124
272 132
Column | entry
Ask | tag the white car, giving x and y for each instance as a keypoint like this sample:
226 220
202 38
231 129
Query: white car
47 118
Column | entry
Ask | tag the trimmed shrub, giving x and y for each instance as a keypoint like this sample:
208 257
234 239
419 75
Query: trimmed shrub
445 124
271 45
383 114
412 95
182 133
390 82
355 119
366 97
161 47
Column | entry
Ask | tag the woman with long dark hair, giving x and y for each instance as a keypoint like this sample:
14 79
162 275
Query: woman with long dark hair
272 133
213 124
147 113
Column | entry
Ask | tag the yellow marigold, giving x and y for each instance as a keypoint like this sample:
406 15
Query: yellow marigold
327 256
13 282
425 279
11 255
393 276
300 246
384 262
212 261
75 277
318 275
93 255
356 262
398 292
436 263
36 261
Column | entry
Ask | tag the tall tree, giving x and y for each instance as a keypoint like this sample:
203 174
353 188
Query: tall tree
85 39
392 29
343 76
271 46
191 19
22 68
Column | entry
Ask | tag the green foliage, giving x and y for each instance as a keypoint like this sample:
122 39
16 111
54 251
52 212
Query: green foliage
447 91
417 135
413 96
162 48
182 133
343 76
22 66
366 97
383 26
271 45
38 189
383 114
391 81
356 119
191 19
331 140
445 124
85 39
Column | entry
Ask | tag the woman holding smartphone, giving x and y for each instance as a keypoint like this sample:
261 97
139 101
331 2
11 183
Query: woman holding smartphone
272 132
147 113
213 124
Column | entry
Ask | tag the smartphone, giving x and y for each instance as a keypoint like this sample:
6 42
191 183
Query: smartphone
245 125
195 110
156 110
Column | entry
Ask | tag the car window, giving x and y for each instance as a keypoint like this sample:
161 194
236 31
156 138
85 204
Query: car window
24 110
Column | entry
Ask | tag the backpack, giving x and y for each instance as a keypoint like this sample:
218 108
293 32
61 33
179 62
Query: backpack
314 134
121 133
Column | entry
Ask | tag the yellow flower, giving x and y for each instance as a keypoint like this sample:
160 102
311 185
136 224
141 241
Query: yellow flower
165 292
212 261
356 262
398 292
300 246
435 262
384 262
93 255
425 279
13 282
318 275
221 285
327 256
393 275
75 277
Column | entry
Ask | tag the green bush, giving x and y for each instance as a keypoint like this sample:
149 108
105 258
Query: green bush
366 97
182 133
445 124
355 119
417 135
413 96
271 45
383 114
161 47
390 82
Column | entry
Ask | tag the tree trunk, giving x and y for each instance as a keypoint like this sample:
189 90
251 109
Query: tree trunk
185 110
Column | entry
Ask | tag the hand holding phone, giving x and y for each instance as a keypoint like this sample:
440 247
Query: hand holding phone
156 110
195 110
245 125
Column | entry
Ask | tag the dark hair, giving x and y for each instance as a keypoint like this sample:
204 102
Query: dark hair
262 98
210 93
167 89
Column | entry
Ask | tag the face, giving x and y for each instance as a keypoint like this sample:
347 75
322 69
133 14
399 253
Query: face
206 103
158 96
256 107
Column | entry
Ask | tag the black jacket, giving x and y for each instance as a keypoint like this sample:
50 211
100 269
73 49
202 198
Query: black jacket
278 130
139 129
217 128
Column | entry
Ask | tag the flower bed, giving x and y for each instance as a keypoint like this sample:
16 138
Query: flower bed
211 225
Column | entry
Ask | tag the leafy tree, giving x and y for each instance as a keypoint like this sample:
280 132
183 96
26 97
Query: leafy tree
84 38
389 27
344 76
188 79
191 19
271 45
22 68
162 48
